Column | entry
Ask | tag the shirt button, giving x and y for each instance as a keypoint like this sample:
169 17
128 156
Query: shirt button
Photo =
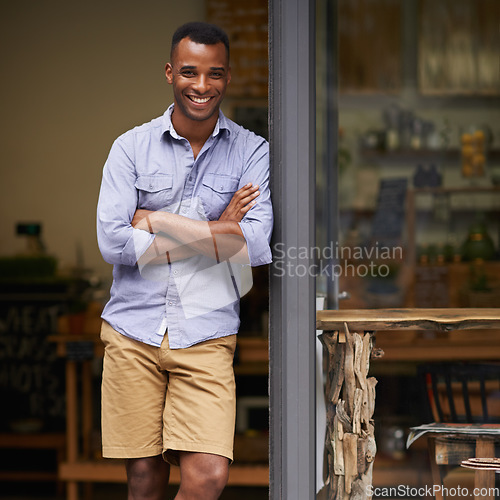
176 272
170 303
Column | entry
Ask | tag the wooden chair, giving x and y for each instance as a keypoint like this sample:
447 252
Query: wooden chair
465 394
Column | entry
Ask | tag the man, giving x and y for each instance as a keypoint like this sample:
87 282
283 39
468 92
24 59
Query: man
184 204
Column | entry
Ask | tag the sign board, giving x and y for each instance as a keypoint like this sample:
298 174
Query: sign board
31 374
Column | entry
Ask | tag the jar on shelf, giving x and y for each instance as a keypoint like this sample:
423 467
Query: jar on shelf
479 244
474 145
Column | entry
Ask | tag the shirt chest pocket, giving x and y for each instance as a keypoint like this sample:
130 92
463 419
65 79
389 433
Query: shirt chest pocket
216 193
154 191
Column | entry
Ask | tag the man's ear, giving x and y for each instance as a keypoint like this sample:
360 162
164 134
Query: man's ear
229 74
169 73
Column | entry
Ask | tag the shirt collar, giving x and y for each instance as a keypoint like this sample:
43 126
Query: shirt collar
222 124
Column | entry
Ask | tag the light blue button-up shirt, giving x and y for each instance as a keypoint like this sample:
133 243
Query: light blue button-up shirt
151 167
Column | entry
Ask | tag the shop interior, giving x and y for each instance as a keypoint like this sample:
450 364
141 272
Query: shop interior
418 171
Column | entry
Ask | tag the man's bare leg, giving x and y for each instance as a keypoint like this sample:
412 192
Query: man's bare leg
203 476
147 478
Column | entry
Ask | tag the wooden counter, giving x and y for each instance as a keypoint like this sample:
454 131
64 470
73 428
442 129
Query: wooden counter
444 320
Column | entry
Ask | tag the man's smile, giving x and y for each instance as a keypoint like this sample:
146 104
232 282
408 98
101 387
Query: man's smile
199 100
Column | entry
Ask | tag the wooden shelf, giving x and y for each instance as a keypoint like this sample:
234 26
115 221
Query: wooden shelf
253 368
411 211
33 441
420 155
253 350
457 190
16 476
42 440
114 472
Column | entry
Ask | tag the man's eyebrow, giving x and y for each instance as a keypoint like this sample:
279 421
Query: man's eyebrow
212 68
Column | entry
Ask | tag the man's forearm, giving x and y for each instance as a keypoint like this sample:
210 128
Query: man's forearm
165 249
229 241
219 240
178 237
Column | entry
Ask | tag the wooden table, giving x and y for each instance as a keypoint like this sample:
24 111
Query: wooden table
443 320
350 393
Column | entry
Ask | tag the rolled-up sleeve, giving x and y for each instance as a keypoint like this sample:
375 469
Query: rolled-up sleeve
118 241
257 224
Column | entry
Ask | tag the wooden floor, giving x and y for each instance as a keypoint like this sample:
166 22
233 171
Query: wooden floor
118 492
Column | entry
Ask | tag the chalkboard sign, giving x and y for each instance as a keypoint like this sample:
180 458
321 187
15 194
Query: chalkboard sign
32 384
389 217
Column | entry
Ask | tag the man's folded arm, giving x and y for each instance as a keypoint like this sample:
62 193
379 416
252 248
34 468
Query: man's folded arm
257 225
164 236
119 242
226 238
178 237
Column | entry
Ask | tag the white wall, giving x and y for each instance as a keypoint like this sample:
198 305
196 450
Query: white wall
75 75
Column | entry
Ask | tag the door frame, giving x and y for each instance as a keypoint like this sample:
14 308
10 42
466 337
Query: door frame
292 299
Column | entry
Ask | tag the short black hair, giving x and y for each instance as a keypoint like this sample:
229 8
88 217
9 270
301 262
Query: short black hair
198 32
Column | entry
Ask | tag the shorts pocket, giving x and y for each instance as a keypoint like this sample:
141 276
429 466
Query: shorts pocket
227 342
105 328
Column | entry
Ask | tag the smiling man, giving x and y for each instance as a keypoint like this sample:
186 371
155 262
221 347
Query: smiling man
199 74
184 204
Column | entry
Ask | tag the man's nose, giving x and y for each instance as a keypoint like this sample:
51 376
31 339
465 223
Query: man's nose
201 84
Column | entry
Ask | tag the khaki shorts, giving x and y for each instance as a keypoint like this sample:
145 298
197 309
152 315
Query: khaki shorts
157 400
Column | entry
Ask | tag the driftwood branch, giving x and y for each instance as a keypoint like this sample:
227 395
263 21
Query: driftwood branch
350 394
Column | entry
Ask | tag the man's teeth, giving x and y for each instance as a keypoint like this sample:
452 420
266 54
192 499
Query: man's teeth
200 100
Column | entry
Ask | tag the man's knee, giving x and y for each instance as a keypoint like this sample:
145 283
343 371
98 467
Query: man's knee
147 477
215 478
208 477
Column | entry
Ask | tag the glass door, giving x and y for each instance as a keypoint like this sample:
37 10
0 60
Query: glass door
327 285
326 100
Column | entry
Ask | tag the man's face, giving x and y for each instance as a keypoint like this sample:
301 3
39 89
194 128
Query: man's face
199 74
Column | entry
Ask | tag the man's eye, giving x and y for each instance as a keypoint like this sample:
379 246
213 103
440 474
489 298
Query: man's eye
187 73
216 75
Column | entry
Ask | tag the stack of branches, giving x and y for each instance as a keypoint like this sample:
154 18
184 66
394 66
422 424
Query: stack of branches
350 399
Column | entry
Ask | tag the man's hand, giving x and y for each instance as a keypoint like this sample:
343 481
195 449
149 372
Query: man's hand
241 202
